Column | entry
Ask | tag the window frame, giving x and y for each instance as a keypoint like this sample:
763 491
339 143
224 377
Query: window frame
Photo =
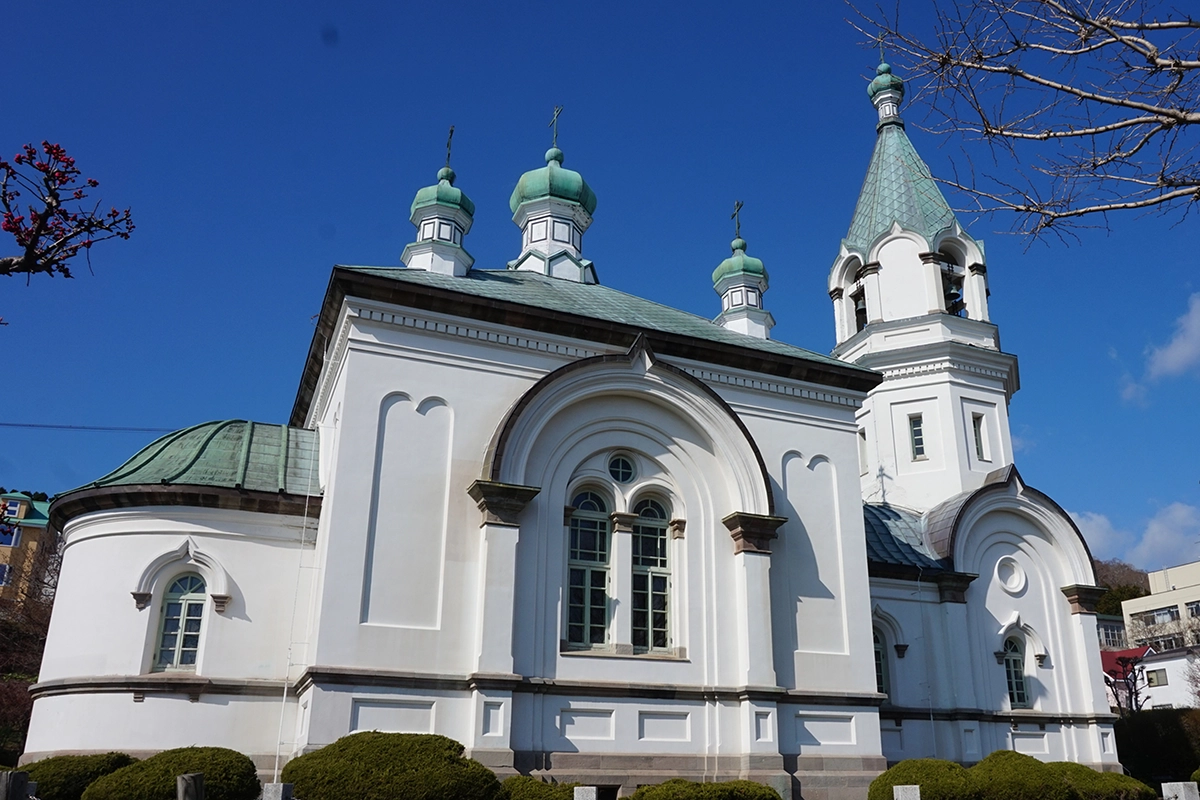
1153 677
979 432
595 573
916 436
1014 674
192 599
660 525
883 676
16 534
5 571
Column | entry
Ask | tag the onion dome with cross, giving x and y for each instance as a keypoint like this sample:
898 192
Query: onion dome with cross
741 280
553 207
443 215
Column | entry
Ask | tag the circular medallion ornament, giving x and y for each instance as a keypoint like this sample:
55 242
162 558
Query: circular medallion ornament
1010 575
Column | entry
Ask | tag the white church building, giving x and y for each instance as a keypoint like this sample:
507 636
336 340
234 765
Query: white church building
597 539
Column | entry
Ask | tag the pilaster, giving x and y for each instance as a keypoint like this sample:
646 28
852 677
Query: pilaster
752 534
501 505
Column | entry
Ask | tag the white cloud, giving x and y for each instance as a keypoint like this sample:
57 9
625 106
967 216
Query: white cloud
1182 353
1103 539
1170 537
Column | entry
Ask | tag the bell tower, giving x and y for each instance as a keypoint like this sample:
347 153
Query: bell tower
909 290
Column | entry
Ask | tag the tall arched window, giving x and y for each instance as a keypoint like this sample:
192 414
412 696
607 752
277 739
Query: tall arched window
882 679
1014 673
182 616
587 571
651 577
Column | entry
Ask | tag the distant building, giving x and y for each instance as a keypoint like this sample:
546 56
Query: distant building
23 522
1110 629
1169 617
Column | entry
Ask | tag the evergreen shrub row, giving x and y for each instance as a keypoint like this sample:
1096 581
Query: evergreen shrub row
386 766
65 777
523 787
1005 775
679 789
228 775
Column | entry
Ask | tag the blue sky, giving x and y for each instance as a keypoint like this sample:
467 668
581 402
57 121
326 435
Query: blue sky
259 145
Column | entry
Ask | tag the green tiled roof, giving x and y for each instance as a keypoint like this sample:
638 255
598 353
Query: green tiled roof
233 454
596 302
898 188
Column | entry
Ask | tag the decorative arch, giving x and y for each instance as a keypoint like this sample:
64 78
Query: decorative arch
187 553
1005 490
1026 632
890 626
637 372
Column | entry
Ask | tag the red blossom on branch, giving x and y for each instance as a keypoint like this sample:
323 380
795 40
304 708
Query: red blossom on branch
48 232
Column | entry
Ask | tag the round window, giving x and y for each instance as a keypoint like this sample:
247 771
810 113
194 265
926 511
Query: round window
621 469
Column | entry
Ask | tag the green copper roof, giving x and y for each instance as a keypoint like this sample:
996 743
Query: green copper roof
553 181
233 454
739 263
898 189
594 301
443 193
884 79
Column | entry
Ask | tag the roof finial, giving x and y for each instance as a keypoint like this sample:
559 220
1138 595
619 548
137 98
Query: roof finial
449 139
881 58
554 124
736 216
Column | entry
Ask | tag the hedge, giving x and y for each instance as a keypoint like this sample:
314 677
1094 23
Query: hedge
523 787
1005 775
939 780
1088 784
385 766
65 777
228 775
679 789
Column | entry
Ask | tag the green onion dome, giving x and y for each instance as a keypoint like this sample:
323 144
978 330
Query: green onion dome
443 194
739 263
884 80
553 181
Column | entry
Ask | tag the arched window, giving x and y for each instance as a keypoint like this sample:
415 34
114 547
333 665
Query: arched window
1014 673
651 577
587 571
182 615
882 679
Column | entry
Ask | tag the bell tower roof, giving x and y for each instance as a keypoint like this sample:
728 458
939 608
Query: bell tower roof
898 188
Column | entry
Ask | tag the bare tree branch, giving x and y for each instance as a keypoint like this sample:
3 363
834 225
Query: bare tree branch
1087 107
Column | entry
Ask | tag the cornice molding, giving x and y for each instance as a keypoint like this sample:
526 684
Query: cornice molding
517 684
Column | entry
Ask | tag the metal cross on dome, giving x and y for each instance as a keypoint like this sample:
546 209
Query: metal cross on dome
554 124
449 139
736 216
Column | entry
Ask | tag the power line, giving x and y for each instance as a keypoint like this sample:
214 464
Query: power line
103 428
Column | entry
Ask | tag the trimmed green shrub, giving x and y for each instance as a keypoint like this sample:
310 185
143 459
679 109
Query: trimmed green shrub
1088 784
938 779
65 777
386 766
1005 775
523 787
679 789
228 775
